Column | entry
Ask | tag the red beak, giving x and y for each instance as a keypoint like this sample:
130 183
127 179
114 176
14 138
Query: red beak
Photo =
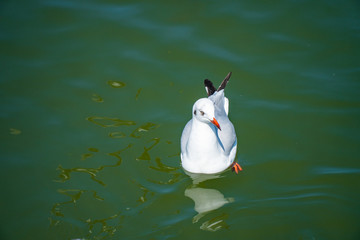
215 122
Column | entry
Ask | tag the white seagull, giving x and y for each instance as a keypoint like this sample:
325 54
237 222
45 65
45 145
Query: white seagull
208 141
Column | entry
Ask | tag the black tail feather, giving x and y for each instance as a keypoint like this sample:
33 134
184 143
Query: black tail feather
224 82
210 89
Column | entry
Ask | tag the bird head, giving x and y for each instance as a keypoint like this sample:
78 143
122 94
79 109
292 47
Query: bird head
204 111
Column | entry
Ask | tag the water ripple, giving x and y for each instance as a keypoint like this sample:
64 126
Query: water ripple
333 170
109 122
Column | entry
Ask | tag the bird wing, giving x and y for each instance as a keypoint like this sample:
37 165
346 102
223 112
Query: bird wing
227 134
185 135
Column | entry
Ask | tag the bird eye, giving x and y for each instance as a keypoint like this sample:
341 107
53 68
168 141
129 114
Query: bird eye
202 113
194 112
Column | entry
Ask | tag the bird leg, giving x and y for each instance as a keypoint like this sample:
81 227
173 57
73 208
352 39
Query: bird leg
236 167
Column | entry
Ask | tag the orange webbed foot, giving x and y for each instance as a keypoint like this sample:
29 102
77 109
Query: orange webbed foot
236 167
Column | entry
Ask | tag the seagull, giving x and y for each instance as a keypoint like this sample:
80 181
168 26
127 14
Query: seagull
208 141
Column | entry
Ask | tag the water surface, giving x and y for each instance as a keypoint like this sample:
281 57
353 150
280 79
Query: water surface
94 96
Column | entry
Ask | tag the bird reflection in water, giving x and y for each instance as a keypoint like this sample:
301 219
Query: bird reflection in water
206 201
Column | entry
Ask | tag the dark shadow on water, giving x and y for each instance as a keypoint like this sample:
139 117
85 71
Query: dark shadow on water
141 195
65 173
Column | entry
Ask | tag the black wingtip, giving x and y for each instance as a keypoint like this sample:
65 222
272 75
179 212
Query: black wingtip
224 82
210 89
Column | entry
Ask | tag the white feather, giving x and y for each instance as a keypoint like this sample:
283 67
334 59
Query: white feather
204 148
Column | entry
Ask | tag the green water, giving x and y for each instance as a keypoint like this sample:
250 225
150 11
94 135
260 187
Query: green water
95 94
